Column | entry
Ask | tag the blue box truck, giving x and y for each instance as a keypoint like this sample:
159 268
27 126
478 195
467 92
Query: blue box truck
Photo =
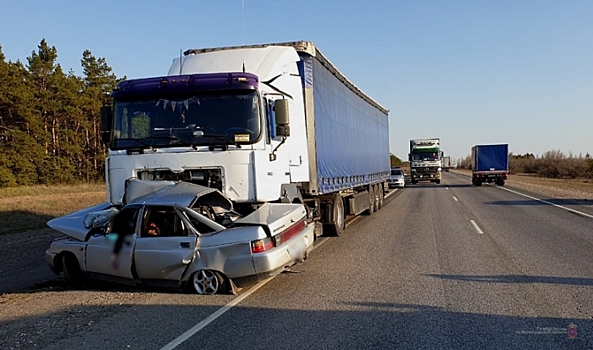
490 163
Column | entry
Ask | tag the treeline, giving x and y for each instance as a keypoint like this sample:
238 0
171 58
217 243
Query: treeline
552 164
50 119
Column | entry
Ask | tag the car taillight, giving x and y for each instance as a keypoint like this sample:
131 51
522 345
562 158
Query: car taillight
290 232
261 245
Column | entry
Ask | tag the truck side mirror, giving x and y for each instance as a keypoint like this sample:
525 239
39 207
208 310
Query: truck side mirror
282 117
409 157
106 122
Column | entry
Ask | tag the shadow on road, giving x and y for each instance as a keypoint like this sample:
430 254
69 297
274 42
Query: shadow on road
344 325
576 281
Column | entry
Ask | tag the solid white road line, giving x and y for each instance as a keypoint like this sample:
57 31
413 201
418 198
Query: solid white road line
549 203
195 329
476 227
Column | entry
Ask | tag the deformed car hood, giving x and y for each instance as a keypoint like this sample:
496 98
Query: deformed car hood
73 224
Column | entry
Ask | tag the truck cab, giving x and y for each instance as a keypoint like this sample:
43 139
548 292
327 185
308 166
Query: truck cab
425 160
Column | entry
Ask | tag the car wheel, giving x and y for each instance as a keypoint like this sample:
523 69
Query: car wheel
73 277
207 282
337 225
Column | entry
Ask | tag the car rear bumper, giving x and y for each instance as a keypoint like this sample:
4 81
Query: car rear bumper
278 259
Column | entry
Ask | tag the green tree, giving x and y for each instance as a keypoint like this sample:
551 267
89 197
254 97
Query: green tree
20 150
99 81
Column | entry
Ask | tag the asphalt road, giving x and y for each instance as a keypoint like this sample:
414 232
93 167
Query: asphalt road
447 266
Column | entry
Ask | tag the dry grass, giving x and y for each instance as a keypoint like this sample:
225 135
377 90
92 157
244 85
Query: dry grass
30 207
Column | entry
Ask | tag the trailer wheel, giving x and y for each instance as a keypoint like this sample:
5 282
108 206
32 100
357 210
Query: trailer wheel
381 195
377 200
500 182
371 208
337 225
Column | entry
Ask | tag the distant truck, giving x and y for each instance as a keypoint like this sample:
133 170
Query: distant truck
446 163
425 160
490 163
261 123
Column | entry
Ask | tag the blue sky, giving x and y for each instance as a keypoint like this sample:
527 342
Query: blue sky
469 72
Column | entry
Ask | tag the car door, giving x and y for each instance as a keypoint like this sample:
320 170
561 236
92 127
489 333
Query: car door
100 246
164 256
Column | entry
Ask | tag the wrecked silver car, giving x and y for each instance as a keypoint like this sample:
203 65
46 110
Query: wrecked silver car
180 235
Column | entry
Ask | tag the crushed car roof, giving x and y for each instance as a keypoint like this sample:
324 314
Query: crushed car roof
173 193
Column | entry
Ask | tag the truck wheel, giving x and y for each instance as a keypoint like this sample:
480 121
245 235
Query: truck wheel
337 225
438 182
377 204
478 183
414 182
381 195
371 209
500 182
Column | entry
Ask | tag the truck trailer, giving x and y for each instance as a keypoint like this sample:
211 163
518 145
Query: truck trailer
261 123
446 163
425 160
490 163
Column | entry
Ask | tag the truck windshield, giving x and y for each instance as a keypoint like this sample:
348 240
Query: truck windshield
425 156
210 118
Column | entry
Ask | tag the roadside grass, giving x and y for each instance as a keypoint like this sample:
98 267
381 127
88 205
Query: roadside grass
30 207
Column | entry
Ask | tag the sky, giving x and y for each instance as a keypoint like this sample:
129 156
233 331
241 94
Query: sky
468 72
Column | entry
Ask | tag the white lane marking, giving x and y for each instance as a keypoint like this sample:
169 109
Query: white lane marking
195 329
216 314
476 227
446 187
455 198
549 203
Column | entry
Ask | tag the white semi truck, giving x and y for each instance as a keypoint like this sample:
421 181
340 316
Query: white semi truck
262 123
425 160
